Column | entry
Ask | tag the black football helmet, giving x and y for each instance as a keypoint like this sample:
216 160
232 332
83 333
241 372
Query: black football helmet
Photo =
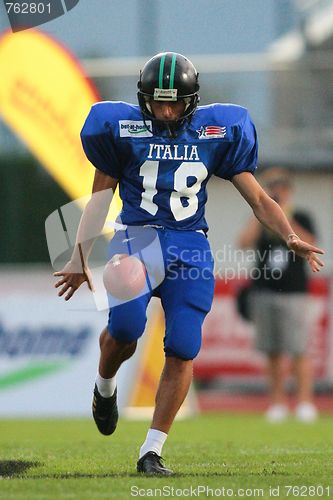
169 76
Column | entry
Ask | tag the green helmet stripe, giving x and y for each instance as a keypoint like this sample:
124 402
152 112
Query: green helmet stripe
172 71
162 61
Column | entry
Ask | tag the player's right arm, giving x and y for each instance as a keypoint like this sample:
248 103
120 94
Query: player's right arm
76 271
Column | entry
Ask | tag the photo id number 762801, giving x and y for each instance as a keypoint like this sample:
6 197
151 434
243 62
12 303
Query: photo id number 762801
28 8
316 491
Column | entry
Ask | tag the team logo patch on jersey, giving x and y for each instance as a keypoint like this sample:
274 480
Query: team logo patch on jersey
135 128
212 132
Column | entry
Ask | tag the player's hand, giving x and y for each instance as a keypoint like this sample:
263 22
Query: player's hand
72 278
307 251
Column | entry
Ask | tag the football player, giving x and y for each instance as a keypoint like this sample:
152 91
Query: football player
162 153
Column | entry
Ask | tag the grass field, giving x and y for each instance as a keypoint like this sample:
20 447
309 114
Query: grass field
69 459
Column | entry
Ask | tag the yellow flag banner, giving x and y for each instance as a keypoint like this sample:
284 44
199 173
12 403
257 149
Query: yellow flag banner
150 368
45 98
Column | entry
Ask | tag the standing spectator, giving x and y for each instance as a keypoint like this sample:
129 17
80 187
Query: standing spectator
279 301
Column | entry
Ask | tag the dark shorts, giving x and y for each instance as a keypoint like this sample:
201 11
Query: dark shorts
281 322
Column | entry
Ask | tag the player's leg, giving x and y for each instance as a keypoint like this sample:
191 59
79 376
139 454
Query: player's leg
173 388
184 319
113 353
126 321
175 380
117 343
186 296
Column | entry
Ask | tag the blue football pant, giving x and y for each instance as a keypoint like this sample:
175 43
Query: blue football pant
186 294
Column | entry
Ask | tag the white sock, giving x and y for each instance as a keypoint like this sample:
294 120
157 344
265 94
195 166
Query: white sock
154 442
105 386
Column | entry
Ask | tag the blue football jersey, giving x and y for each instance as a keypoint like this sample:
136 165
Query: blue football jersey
162 180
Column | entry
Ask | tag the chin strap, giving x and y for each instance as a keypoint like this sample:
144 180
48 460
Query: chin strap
172 132
146 124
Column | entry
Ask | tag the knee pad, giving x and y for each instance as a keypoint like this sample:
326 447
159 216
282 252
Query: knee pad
125 326
183 334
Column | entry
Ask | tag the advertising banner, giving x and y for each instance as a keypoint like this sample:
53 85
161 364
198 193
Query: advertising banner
49 351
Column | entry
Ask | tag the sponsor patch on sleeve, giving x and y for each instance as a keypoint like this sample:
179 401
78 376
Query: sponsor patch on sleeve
135 128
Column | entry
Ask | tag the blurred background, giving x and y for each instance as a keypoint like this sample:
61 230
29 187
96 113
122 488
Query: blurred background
274 57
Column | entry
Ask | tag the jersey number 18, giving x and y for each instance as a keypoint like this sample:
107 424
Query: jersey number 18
149 172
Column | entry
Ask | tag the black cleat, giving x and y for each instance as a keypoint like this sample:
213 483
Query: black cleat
105 412
151 463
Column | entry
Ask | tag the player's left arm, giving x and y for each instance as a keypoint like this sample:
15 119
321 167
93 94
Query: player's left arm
270 214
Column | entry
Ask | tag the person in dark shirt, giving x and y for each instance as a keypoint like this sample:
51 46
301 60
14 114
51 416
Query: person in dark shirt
278 299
